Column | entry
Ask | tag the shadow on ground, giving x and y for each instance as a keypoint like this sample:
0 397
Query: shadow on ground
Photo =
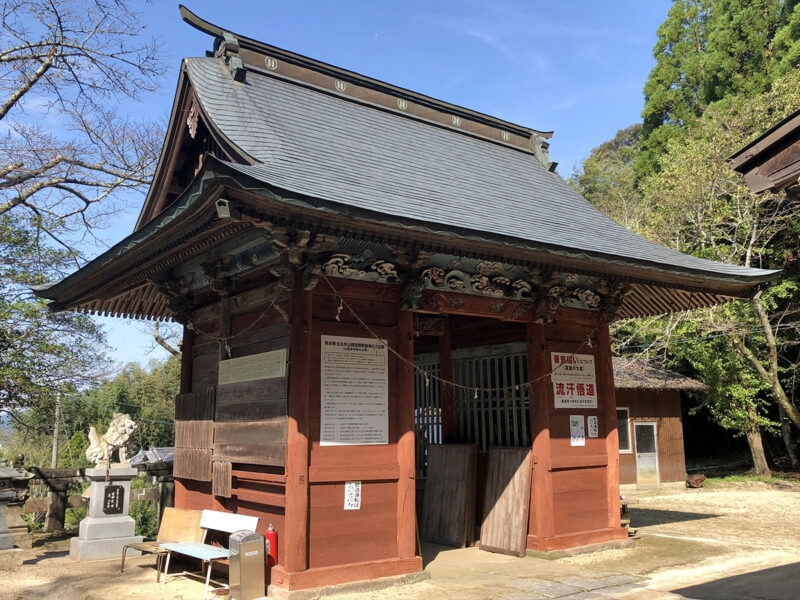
776 583
642 517
44 556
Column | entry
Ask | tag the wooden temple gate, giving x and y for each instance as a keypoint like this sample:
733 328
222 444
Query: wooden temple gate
316 232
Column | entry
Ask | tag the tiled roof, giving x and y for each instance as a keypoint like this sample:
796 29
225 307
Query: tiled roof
362 158
637 374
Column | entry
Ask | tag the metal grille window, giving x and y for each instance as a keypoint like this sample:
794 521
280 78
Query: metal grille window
499 418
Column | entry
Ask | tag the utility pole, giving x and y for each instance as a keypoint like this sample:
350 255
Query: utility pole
54 456
57 497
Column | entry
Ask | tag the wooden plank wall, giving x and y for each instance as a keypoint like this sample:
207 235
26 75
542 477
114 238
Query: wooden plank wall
663 407
336 536
250 417
573 492
243 425
194 433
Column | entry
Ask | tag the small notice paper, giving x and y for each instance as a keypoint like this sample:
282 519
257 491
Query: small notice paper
591 425
352 495
577 436
574 381
354 391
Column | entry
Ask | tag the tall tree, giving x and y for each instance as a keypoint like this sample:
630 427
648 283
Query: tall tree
786 43
69 158
739 48
701 206
672 90
608 181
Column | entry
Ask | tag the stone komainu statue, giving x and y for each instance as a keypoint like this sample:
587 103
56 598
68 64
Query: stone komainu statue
101 447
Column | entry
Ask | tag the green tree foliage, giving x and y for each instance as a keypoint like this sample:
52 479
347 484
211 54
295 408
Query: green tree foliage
672 90
746 352
708 51
739 47
608 181
40 351
146 394
786 43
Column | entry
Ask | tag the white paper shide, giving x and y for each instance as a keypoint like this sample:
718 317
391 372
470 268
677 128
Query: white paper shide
354 391
574 381
592 426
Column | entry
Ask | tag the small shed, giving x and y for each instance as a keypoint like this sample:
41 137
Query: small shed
649 423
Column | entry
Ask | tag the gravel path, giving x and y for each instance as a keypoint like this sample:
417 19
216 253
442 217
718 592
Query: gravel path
688 540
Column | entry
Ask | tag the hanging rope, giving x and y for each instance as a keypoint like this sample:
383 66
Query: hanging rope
427 375
224 340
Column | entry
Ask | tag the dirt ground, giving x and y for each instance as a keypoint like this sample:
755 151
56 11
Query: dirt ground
732 541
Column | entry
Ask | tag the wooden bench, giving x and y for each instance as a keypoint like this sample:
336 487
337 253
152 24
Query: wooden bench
210 520
177 525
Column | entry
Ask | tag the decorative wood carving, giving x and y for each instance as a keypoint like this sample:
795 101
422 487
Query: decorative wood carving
191 118
360 267
489 278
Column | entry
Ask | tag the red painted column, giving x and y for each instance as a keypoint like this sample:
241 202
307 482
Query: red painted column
446 391
605 379
540 522
295 536
406 503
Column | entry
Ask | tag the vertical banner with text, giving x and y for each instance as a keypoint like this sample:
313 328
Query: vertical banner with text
574 381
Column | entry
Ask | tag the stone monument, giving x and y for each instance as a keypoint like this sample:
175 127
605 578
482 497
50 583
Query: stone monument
107 526
14 491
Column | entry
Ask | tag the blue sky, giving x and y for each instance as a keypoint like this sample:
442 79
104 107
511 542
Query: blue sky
574 67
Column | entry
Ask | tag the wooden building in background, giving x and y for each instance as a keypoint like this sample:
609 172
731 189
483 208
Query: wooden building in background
772 161
649 424
314 229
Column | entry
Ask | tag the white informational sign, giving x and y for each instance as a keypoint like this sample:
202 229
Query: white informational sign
352 495
577 436
354 391
574 381
264 365
591 425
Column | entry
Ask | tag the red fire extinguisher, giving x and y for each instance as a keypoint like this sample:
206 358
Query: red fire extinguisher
271 542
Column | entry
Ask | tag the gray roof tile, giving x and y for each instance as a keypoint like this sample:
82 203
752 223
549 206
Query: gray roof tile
353 155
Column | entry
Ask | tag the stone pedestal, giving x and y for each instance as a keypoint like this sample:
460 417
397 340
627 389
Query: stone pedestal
6 538
18 527
107 526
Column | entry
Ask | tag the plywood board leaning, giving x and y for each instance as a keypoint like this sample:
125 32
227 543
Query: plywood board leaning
507 502
448 505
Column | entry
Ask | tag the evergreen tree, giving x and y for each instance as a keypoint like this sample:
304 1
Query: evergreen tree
786 43
672 90
739 48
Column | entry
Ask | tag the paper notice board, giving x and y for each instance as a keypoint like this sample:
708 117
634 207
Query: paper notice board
574 381
354 391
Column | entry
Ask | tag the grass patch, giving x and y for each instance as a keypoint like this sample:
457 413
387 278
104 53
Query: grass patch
744 478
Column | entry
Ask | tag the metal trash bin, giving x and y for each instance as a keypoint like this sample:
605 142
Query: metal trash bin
246 571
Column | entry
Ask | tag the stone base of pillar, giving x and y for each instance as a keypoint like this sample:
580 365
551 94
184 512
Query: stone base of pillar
107 526
11 559
102 549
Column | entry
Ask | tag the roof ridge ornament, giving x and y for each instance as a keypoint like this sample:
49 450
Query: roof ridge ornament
226 47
